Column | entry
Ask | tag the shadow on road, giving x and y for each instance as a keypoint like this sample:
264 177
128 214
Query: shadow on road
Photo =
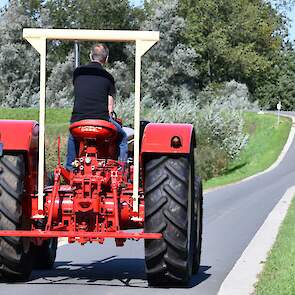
129 272
200 277
239 166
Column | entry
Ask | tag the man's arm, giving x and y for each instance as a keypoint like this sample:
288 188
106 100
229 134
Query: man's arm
111 103
111 97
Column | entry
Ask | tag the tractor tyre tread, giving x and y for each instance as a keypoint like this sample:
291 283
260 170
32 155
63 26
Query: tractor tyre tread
199 222
166 259
16 255
45 254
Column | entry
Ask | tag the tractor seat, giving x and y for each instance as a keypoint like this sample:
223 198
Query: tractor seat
93 129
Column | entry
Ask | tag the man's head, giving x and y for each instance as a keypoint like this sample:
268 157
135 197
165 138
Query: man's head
99 53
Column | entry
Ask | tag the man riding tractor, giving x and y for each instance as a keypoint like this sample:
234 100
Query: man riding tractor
94 90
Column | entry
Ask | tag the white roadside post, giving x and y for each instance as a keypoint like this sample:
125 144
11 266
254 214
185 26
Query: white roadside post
279 106
144 40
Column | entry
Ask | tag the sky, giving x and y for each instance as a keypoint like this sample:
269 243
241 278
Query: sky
291 15
292 29
136 2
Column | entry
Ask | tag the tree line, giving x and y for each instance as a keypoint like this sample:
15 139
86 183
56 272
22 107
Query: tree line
204 44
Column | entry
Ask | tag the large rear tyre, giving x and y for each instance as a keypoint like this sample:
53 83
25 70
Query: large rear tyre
45 254
169 209
198 221
16 253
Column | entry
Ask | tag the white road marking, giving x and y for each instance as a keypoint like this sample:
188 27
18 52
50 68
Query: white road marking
242 278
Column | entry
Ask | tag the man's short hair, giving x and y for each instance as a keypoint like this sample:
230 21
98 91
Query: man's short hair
99 53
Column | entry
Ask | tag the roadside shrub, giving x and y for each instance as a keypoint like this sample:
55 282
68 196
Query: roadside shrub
211 161
60 90
232 94
219 128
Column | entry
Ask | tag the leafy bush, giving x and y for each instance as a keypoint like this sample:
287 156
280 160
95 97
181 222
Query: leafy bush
60 91
211 161
233 94
218 126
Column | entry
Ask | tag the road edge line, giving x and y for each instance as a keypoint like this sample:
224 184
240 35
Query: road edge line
243 276
273 165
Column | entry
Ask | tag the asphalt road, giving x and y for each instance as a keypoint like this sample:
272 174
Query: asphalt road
232 215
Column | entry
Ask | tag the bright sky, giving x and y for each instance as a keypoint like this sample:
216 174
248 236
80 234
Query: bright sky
292 30
139 2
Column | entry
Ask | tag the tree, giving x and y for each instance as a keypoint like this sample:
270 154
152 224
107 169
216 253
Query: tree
279 84
167 69
91 14
19 62
60 90
237 39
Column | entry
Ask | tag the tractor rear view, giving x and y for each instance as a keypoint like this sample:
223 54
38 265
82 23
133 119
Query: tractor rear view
100 197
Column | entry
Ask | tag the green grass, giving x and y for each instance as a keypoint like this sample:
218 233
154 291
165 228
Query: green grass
57 124
266 141
278 276
57 120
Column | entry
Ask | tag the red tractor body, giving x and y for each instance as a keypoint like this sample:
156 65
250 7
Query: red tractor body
95 200
22 136
168 138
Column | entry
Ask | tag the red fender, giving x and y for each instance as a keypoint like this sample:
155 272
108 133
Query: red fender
22 136
157 138
18 135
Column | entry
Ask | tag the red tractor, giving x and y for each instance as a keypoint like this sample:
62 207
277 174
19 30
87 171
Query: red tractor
157 191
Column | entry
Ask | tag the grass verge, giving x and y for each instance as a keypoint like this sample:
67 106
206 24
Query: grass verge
278 276
266 141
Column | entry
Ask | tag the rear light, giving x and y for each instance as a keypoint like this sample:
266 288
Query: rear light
176 142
